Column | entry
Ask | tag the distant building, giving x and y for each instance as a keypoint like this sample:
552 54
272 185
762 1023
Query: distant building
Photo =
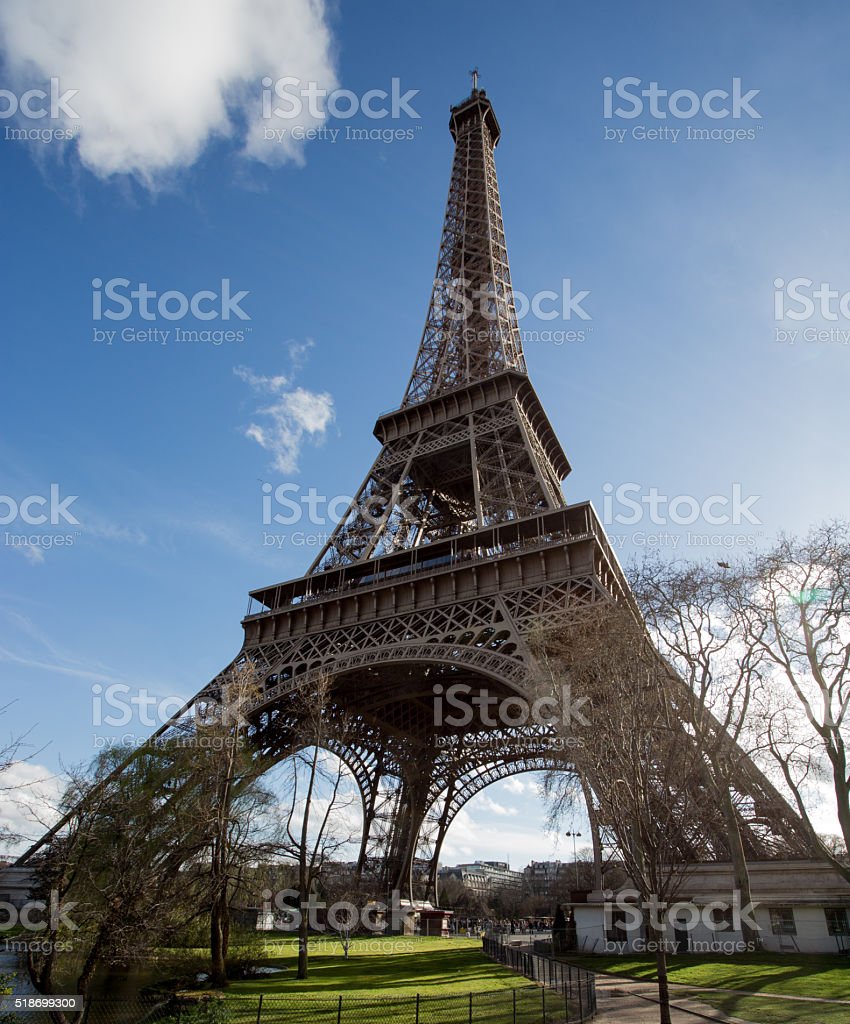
486 876
541 876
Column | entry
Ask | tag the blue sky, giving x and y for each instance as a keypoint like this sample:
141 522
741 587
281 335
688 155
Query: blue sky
679 383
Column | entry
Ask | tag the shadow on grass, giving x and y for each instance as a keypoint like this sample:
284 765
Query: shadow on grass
422 971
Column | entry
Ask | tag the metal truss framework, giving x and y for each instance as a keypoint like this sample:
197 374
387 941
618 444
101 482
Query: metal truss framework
457 548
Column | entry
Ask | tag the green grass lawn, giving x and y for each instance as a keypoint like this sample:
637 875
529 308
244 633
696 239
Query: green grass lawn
776 973
776 1011
395 966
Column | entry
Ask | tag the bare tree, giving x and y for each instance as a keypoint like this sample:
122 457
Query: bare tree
793 609
348 895
686 607
316 825
12 756
645 767
231 801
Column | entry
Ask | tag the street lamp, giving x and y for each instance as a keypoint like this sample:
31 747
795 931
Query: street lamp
575 835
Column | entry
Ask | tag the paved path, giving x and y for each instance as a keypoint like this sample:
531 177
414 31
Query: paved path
635 1002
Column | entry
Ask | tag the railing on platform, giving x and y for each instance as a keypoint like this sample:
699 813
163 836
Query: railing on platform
560 526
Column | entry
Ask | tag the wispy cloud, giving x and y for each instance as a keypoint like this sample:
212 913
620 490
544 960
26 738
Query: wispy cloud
486 803
31 552
230 536
27 646
104 529
27 661
298 352
293 415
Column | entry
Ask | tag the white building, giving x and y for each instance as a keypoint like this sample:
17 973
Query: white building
15 884
798 906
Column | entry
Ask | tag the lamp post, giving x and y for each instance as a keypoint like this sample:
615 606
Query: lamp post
575 835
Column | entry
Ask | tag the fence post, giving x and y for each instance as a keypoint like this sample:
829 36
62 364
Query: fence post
580 1007
543 990
259 1008
417 1008
470 1008
514 1021
566 1002
339 1010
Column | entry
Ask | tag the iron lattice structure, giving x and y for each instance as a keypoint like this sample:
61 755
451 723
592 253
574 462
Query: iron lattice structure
457 547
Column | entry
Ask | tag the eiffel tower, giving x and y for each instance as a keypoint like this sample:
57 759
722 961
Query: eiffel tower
458 545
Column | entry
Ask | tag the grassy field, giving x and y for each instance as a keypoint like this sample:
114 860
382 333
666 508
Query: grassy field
779 974
396 966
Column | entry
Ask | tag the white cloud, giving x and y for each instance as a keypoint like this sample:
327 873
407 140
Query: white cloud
156 81
30 796
294 414
517 786
494 826
260 383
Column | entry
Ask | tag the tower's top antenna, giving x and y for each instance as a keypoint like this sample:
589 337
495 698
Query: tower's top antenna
474 73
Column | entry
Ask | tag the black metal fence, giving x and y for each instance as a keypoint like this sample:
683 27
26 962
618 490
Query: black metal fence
528 1004
560 994
573 989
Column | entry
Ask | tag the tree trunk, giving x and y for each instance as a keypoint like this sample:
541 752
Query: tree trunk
303 925
218 966
225 931
663 988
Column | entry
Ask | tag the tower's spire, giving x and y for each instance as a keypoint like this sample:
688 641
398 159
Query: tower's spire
471 330
471 445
